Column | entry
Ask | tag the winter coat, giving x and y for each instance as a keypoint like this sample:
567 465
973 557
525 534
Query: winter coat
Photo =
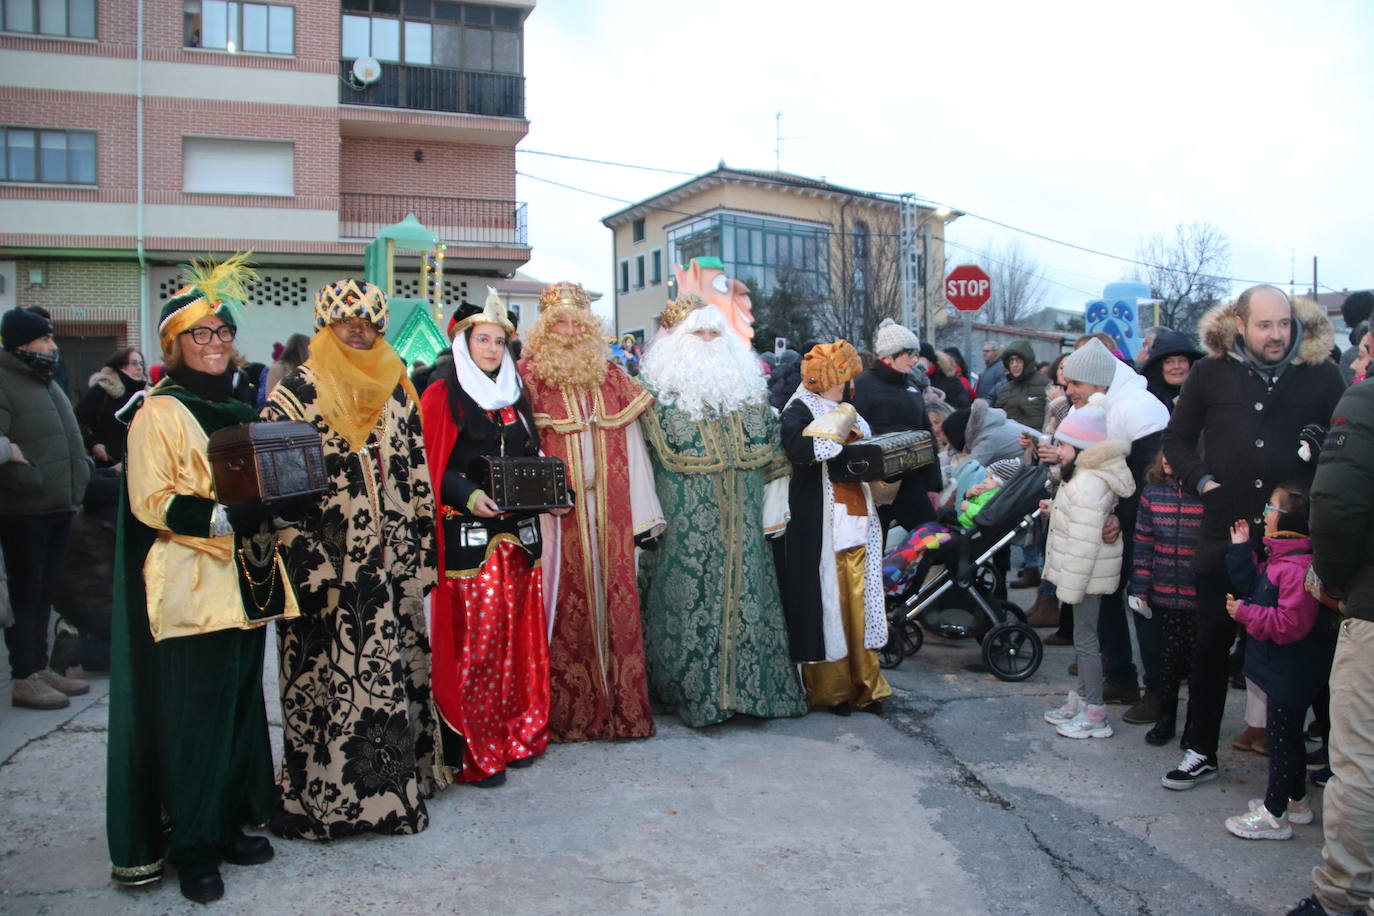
784 380
975 505
990 382
881 397
36 416
109 391
1023 397
944 374
1076 559
1167 343
1166 529
1291 639
990 436
1247 430
1342 516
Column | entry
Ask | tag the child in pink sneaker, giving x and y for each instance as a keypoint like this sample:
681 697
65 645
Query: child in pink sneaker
1078 563
1290 640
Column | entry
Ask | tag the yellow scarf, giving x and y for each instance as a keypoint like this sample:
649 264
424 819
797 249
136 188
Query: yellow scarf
353 386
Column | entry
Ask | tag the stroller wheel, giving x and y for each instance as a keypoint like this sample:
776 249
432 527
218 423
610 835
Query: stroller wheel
1013 652
903 638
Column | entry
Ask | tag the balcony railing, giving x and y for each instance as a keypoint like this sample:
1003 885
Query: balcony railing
499 95
452 219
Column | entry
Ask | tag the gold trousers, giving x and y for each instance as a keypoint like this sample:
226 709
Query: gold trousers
856 679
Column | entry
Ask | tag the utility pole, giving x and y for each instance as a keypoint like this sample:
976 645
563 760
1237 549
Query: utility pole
908 256
777 142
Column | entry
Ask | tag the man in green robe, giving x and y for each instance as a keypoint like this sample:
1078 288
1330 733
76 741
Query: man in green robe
714 635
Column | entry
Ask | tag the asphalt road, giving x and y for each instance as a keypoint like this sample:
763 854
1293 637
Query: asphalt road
957 799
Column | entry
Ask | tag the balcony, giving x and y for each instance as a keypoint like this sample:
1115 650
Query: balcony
456 220
498 95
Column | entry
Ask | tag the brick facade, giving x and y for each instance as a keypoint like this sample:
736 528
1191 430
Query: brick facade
81 294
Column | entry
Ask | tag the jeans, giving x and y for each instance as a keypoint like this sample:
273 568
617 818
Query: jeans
34 546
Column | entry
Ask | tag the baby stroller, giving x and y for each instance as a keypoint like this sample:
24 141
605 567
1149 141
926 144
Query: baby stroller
971 582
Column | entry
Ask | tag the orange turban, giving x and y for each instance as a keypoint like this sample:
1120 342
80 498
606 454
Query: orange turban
828 365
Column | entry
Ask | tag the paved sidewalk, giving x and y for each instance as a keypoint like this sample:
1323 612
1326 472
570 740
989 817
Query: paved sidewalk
956 800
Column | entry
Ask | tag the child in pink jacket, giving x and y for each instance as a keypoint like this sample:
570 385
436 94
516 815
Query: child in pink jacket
1289 646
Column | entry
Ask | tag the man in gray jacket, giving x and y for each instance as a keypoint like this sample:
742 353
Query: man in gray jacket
43 475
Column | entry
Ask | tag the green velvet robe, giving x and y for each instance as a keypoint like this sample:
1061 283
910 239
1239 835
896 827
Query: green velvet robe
714 635
188 762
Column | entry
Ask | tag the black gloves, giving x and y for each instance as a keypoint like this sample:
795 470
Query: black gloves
646 541
247 518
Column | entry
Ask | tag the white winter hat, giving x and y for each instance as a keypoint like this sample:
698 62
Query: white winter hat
892 339
1087 425
1091 364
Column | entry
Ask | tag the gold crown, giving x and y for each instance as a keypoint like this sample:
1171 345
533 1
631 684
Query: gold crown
679 309
344 299
564 294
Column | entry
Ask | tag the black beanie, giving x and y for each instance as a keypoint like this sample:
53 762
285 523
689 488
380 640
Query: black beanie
21 326
928 352
954 427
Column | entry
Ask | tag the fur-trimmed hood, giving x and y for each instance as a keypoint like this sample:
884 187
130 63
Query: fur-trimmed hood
1217 330
111 381
1108 458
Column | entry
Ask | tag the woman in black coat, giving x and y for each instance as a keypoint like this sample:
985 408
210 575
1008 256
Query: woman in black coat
111 388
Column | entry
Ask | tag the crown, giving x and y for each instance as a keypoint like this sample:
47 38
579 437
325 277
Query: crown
678 309
564 294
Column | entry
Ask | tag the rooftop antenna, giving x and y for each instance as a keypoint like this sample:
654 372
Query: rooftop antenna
777 141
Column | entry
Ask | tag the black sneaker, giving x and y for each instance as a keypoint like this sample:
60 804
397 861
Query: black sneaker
1311 906
1320 777
1194 769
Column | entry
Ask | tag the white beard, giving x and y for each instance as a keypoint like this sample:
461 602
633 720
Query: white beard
702 376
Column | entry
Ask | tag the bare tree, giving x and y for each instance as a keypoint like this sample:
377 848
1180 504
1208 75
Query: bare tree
865 275
788 310
1018 290
1186 272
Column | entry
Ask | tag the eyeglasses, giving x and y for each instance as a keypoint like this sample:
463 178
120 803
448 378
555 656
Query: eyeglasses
202 335
1279 509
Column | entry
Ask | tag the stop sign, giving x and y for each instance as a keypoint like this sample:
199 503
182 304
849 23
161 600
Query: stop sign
967 287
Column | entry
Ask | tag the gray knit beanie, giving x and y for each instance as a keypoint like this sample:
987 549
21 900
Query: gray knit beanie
1091 364
892 339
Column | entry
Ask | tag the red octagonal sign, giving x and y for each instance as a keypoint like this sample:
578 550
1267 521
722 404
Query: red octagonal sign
967 287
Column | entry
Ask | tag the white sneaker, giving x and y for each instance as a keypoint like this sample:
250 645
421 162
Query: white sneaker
1259 824
1299 810
1061 714
1080 726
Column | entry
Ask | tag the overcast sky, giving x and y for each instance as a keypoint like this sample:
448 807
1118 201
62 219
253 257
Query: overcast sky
1098 123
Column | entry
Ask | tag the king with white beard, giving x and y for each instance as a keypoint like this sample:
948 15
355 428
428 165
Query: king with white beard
714 635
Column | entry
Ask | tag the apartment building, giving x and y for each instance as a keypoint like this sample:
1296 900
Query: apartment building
764 226
138 134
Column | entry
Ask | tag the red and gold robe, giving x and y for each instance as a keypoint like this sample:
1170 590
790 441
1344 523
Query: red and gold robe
599 681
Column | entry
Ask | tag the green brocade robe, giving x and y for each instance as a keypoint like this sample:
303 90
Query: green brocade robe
188 761
714 635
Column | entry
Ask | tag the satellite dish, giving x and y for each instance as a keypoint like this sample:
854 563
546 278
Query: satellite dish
366 70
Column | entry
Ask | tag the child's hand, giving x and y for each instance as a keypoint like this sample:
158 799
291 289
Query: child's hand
963 506
1231 604
1045 506
1240 532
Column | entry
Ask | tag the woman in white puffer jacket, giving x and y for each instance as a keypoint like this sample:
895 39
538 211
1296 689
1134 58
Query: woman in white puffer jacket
1080 565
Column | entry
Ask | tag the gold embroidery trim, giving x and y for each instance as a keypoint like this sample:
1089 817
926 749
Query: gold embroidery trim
145 872
491 545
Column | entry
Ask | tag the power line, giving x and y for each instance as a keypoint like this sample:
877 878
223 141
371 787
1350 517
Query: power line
623 165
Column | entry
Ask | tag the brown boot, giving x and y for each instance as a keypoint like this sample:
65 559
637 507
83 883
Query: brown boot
1029 578
1045 611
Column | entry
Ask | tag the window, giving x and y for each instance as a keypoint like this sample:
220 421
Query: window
37 154
656 266
760 252
638 230
67 18
212 166
624 284
639 271
258 28
434 33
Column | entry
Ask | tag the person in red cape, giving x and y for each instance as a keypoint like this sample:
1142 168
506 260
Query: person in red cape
488 629
588 414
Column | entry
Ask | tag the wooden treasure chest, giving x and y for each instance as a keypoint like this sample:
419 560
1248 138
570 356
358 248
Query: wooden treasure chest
883 457
531 484
267 461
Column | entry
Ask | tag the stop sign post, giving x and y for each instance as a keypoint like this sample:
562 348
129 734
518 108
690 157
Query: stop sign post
967 287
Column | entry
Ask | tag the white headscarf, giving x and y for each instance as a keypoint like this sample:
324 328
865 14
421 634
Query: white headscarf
489 393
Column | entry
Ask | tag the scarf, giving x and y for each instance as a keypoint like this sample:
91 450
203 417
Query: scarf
43 365
203 385
1270 372
353 386
489 393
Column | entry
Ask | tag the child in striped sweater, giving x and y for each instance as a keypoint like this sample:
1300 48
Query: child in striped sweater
1166 532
